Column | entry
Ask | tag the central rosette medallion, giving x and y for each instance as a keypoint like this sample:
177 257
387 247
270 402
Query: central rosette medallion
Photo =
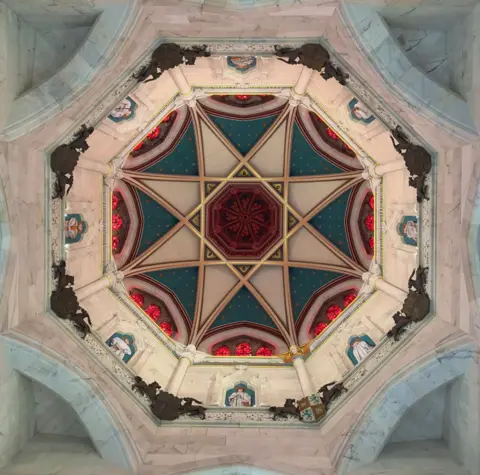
244 220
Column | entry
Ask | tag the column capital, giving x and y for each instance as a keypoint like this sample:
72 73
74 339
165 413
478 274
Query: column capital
191 354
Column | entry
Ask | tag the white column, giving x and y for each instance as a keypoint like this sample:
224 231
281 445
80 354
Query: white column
303 80
376 171
186 359
375 281
181 81
93 165
303 376
110 279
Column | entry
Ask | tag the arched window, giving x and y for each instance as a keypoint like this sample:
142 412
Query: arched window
153 311
137 298
243 349
222 351
367 222
263 351
331 310
166 328
120 222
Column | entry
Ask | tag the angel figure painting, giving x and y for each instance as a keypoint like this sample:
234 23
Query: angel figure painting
359 347
122 345
240 396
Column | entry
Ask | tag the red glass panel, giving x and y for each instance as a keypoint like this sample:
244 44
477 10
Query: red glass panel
348 299
371 243
332 134
154 133
115 201
168 117
333 312
115 243
243 349
166 328
369 222
154 312
371 202
117 222
263 351
242 97
222 351
319 328
138 146
137 298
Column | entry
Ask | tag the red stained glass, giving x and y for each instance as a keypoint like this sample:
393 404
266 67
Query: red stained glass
371 202
166 328
117 222
243 349
115 243
154 312
348 299
167 118
154 133
137 298
333 312
138 146
222 351
320 328
115 201
369 222
371 243
263 351
242 97
332 134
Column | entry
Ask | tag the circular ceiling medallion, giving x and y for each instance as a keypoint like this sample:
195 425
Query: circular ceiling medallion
244 221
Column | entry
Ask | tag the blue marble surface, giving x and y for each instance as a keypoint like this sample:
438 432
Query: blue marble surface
382 49
72 387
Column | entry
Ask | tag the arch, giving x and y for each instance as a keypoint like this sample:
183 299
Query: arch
73 388
384 412
372 36
5 236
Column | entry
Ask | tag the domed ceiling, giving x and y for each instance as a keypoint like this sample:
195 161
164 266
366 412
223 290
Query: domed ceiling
242 221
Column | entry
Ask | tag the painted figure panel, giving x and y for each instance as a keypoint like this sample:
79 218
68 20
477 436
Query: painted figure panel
359 348
240 396
242 64
359 112
122 345
408 230
75 228
123 111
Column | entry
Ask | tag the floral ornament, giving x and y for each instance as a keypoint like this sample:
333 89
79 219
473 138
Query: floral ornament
371 202
332 134
115 201
222 351
117 222
263 351
371 243
369 222
348 299
320 328
115 243
333 312
137 298
243 349
166 328
154 312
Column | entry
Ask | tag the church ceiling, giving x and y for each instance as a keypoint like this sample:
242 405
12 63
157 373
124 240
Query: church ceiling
244 211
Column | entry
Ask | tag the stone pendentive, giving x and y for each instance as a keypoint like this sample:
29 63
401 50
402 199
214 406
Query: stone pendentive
244 221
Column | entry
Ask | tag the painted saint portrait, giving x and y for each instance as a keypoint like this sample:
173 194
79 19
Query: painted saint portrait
122 345
124 111
242 64
359 347
408 230
240 396
75 228
359 112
